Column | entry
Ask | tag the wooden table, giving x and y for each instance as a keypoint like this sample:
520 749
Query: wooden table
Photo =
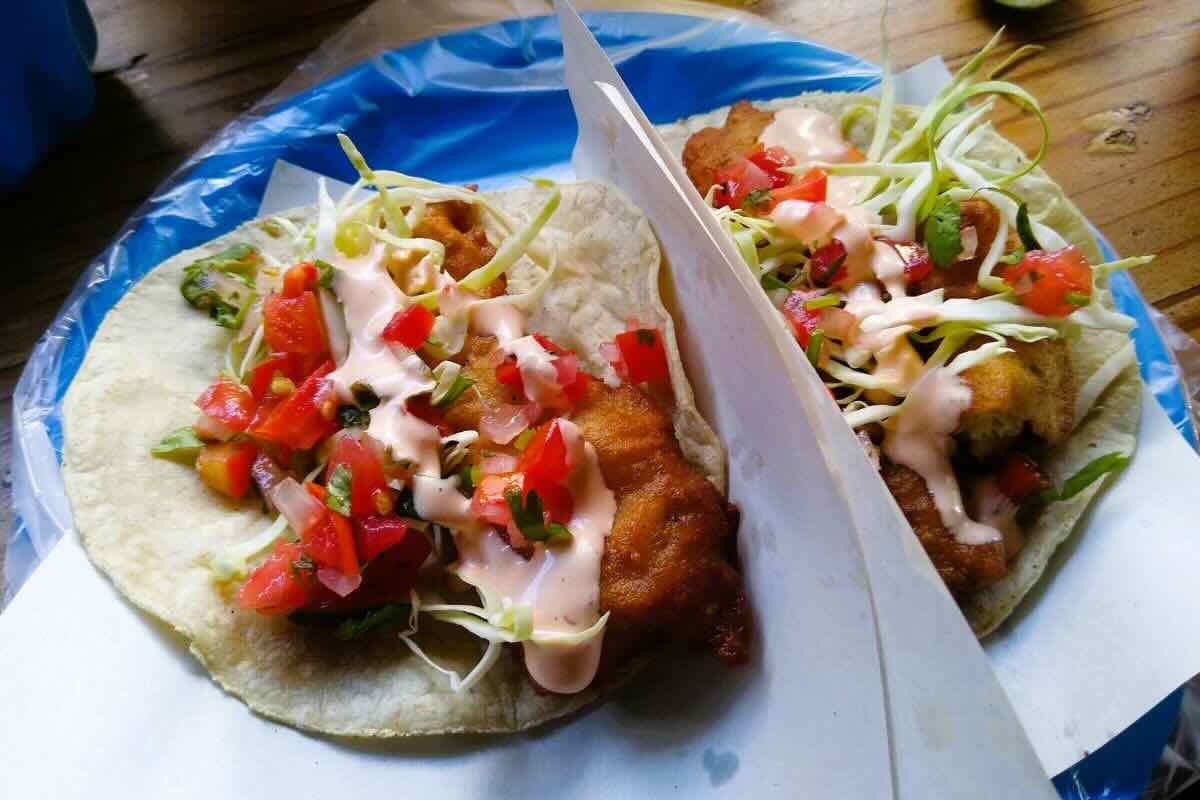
172 72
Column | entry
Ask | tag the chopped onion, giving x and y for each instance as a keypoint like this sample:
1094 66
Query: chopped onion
254 318
301 509
498 464
336 582
335 325
267 475
503 423
970 243
212 429
838 323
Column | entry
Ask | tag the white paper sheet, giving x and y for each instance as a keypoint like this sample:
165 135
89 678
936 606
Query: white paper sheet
98 701
1079 671
930 658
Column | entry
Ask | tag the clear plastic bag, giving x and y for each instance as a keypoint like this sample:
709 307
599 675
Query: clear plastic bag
422 86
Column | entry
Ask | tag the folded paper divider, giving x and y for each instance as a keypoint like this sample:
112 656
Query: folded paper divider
948 725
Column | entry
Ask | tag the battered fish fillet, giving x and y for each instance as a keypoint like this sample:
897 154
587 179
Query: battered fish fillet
666 573
963 567
712 148
1031 387
457 226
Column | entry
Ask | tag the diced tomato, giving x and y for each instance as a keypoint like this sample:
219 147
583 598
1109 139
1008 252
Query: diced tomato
410 326
772 161
1048 282
803 321
852 155
545 459
366 473
509 374
643 354
827 265
281 584
330 542
387 579
226 467
737 179
293 366
488 503
421 408
1020 477
917 263
812 187
557 503
294 324
300 278
228 402
571 378
304 417
549 346
375 534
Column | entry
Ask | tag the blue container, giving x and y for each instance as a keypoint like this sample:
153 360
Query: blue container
46 88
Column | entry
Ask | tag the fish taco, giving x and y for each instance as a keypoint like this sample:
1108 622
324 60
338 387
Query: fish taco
953 301
421 460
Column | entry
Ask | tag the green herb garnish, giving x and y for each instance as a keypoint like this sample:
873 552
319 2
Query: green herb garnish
769 282
824 301
325 274
337 491
1078 299
528 517
943 236
353 417
460 385
757 199
182 445
222 284
383 617
813 351
1092 472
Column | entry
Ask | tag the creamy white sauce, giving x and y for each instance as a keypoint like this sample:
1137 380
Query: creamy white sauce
812 136
919 437
498 318
561 584
538 375
808 222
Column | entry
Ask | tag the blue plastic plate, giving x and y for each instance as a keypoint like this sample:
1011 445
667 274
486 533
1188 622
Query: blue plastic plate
440 107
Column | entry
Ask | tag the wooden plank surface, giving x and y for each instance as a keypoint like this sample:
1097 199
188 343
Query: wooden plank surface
172 72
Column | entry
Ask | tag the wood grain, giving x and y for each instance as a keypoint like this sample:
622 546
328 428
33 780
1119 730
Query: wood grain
172 72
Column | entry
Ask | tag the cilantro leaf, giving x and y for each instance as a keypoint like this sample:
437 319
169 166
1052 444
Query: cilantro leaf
325 271
756 199
384 616
337 491
353 417
943 237
527 516
182 445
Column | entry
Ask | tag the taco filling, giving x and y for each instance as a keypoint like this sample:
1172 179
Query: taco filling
945 319
422 452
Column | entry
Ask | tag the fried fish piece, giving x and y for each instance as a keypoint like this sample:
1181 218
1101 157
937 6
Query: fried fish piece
712 148
1031 387
666 573
457 226
963 567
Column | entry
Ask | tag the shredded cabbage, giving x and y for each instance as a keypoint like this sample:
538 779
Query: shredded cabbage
233 563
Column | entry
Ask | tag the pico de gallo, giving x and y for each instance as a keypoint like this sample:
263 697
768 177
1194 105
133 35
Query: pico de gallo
934 306
331 411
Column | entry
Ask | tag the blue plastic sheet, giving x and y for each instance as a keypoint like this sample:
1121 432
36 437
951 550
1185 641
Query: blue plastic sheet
438 108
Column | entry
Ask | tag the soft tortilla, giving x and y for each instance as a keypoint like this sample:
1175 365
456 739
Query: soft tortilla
1112 423
149 523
